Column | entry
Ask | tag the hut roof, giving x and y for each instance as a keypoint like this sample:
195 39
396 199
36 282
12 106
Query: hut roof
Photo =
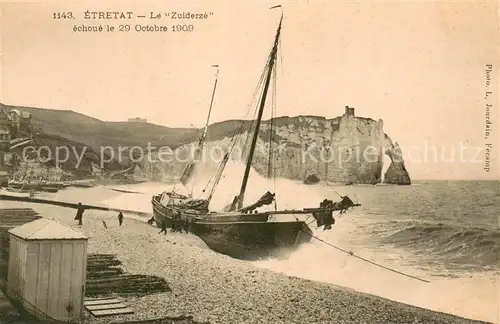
46 229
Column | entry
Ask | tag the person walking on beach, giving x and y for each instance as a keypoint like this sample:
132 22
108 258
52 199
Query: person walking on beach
79 213
163 228
120 218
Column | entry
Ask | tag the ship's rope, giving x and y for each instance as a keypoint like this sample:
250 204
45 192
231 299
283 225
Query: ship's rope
218 177
239 130
364 259
312 220
272 164
218 170
279 62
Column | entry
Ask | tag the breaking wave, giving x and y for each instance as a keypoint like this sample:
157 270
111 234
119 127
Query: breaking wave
453 244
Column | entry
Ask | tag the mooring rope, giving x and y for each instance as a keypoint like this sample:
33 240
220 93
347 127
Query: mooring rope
312 221
366 260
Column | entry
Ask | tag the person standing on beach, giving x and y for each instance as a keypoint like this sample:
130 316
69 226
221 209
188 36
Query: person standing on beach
178 224
79 213
120 218
163 228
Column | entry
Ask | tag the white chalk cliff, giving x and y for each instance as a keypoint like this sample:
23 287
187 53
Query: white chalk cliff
346 149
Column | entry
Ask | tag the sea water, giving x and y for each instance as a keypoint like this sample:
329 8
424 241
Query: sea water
443 232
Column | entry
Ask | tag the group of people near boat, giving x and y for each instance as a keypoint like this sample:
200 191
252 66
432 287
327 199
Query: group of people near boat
178 224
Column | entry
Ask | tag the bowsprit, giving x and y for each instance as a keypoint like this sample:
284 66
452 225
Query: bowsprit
324 214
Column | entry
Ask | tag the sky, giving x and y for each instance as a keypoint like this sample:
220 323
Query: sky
419 66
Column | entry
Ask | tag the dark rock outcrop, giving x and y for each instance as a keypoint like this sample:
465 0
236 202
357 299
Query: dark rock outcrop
396 173
311 179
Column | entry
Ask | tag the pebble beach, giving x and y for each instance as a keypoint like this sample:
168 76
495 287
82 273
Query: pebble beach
212 288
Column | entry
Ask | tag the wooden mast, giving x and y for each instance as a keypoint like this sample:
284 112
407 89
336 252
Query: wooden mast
188 171
272 59
204 135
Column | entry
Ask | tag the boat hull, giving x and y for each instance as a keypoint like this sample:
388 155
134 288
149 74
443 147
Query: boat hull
253 241
240 236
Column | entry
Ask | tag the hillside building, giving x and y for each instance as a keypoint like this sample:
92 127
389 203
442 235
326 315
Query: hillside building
349 111
137 120
5 130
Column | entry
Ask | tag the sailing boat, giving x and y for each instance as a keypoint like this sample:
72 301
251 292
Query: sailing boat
173 197
243 232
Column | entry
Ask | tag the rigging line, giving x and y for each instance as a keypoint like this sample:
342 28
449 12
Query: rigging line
252 99
254 94
257 87
222 165
239 130
211 177
363 259
219 175
215 172
271 128
243 122
312 221
259 84
253 121
252 126
218 169
273 132
282 65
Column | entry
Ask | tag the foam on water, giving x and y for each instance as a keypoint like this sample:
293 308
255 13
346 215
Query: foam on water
229 185
474 296
289 195
468 294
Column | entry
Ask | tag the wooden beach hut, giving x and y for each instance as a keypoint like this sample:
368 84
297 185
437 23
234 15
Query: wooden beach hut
47 269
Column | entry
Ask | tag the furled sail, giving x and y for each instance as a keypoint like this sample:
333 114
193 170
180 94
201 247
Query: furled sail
188 173
195 204
265 200
325 216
